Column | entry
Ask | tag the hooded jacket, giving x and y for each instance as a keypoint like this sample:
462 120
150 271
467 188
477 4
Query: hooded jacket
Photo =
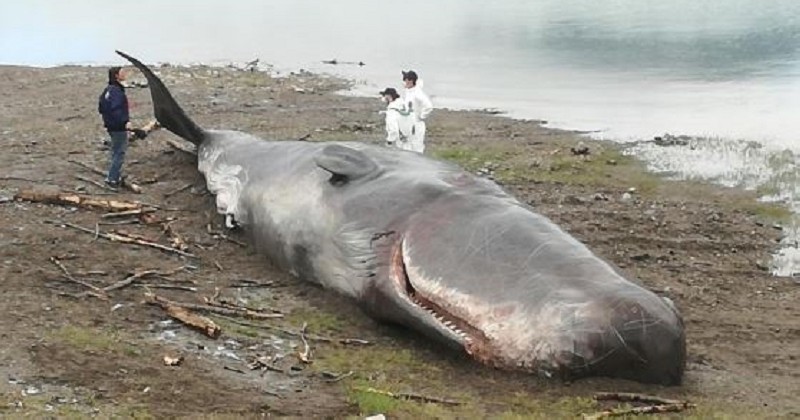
113 106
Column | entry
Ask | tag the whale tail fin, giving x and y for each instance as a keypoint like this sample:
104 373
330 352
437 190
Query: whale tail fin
167 111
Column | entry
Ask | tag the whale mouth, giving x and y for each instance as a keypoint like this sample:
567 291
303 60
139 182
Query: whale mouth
465 333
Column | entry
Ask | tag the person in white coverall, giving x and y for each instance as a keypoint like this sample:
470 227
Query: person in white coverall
420 105
399 120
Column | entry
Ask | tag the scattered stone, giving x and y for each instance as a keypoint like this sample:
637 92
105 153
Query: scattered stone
173 360
580 149
670 140
573 199
31 390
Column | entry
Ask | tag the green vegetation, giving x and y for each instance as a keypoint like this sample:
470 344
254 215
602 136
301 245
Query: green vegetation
42 406
606 167
94 340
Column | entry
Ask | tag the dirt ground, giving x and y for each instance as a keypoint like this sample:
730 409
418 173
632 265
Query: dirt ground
707 248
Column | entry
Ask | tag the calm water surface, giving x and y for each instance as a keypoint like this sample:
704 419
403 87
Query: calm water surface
726 71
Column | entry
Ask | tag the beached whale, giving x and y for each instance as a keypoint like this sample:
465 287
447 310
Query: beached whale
425 244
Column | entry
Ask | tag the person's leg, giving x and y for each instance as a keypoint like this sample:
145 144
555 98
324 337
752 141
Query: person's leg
418 139
119 144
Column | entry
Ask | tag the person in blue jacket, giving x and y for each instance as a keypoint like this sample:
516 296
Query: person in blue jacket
113 106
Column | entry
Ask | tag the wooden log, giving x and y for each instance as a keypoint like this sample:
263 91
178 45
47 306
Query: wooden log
78 200
198 322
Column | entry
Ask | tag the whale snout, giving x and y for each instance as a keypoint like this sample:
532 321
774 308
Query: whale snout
639 345
639 339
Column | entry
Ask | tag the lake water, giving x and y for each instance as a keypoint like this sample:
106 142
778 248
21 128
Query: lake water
724 71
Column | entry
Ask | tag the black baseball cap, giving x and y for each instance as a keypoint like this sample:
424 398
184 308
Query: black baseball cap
390 91
410 75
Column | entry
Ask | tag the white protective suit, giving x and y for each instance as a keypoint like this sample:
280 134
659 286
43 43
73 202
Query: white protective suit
399 125
421 106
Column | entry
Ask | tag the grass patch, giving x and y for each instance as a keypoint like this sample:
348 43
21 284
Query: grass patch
44 406
525 407
94 340
605 167
770 212
319 321
470 158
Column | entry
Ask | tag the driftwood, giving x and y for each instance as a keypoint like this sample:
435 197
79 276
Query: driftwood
218 234
656 405
77 200
140 275
182 314
215 300
170 287
20 178
252 283
230 309
134 212
115 237
182 145
95 183
633 397
409 396
332 377
125 183
305 355
175 239
177 190
647 409
95 291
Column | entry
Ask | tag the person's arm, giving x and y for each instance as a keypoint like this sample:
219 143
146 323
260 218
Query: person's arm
118 108
425 104
392 128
